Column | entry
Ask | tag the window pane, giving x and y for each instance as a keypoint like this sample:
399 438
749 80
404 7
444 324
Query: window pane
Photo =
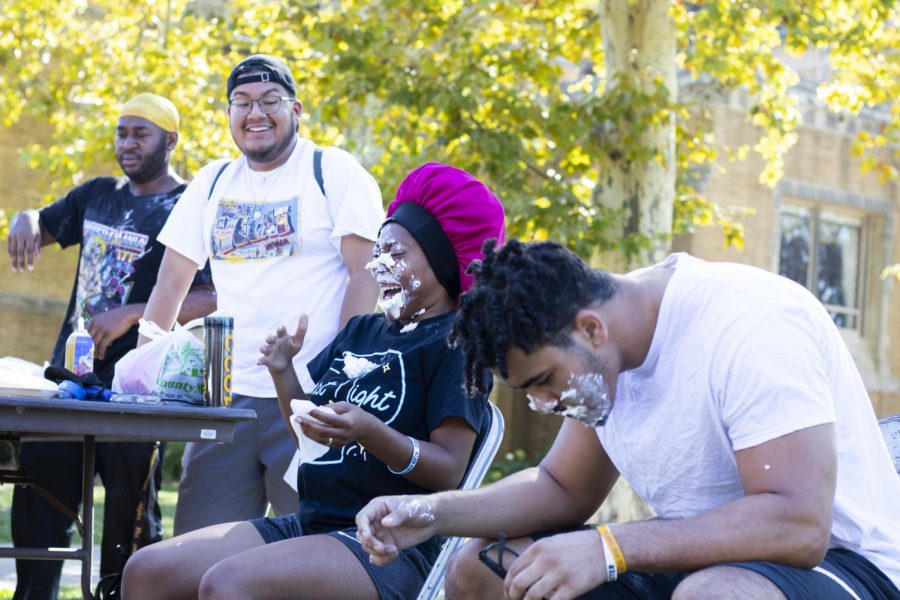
837 264
796 239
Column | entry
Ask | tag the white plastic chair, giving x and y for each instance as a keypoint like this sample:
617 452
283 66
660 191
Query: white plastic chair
478 468
890 430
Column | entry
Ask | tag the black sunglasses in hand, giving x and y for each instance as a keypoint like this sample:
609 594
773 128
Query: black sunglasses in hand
497 565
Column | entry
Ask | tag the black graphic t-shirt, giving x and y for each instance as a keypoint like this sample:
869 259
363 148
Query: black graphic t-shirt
412 382
119 257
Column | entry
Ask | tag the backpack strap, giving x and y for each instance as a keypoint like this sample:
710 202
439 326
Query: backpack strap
216 180
317 169
317 172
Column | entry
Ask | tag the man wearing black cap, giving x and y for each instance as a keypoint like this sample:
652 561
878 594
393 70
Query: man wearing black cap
288 229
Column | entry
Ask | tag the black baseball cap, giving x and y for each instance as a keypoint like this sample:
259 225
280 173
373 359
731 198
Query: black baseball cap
261 67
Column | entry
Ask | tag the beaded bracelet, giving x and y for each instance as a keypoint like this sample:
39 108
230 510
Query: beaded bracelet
412 461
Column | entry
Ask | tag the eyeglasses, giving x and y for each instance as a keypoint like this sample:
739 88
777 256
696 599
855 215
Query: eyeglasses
497 565
267 104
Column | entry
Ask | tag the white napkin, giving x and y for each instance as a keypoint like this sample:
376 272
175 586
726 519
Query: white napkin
309 450
290 476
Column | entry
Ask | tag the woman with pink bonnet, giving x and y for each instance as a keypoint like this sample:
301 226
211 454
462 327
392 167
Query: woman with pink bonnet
392 417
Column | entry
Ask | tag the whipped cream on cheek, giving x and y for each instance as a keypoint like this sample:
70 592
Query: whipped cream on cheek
587 400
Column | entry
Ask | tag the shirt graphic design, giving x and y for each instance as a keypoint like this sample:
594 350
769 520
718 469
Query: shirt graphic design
255 230
380 391
106 268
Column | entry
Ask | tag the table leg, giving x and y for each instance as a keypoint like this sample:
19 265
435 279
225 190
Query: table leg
87 517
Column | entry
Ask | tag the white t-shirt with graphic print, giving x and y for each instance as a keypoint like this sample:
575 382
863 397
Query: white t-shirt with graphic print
740 357
274 243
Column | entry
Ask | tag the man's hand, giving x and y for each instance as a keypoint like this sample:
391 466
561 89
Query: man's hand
111 325
389 524
281 348
559 567
24 241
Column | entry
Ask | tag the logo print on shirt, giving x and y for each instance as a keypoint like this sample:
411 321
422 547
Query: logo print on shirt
253 231
375 392
106 268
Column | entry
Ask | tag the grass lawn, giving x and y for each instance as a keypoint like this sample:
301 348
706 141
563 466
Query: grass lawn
65 593
167 497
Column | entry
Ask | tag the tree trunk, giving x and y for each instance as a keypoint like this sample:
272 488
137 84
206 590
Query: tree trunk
639 48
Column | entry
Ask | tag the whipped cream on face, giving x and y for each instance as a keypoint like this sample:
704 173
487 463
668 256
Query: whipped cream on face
393 305
356 366
586 400
411 326
387 272
382 259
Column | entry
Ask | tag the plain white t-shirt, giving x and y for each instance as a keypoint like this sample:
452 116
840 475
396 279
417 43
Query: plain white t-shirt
739 357
273 242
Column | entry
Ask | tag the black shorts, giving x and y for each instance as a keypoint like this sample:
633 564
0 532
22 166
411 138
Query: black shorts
400 579
842 575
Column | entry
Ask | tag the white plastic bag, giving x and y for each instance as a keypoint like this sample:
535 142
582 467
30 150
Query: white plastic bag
170 365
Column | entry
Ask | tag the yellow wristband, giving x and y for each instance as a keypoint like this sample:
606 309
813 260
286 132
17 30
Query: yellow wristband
610 540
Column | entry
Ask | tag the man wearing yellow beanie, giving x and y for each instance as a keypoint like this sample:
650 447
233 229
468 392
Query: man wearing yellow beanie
156 109
153 121
115 220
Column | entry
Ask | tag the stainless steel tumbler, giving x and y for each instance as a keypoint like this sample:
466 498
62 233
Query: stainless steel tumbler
217 333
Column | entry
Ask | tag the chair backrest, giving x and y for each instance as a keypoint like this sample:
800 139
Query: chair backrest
478 468
890 430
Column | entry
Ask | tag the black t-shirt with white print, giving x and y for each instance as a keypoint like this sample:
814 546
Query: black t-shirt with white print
415 381
119 257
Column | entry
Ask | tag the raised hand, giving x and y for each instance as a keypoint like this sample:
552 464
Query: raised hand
389 524
282 347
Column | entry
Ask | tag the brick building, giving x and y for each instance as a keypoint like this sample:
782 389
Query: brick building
826 224
32 304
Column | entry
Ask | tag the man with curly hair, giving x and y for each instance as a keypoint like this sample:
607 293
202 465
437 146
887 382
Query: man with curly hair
724 394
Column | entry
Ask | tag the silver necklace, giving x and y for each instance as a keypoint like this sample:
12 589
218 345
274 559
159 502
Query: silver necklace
268 181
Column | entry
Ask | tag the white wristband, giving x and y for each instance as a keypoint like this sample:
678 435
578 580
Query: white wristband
412 461
612 572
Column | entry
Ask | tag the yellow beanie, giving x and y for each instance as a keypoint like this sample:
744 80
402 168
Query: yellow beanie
156 109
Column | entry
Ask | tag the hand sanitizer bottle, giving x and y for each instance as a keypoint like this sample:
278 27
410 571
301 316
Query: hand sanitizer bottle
80 350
